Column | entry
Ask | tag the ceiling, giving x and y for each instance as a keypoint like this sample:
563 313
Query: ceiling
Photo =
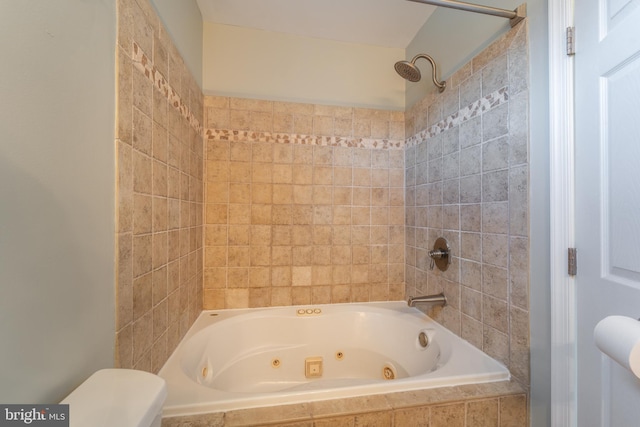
388 23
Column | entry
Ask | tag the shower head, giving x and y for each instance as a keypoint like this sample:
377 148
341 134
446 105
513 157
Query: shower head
408 70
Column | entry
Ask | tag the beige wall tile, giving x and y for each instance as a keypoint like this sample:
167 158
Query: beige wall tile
239 151
160 143
124 347
238 277
300 295
237 298
448 415
335 422
142 175
239 119
281 296
323 125
519 356
483 413
303 124
334 188
142 336
513 411
460 179
282 174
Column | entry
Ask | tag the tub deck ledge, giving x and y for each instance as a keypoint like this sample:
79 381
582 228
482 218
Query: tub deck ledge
504 401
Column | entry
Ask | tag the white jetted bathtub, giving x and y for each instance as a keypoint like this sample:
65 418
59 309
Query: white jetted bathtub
233 359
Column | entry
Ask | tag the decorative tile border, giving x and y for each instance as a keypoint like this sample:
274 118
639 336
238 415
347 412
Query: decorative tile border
472 110
490 101
288 138
142 62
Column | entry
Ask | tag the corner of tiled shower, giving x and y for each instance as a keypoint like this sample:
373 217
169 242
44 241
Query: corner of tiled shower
159 191
467 177
227 202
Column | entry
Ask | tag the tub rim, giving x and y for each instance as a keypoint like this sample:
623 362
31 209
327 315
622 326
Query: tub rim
456 372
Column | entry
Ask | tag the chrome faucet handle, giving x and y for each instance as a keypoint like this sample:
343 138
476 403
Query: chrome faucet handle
440 255
437 254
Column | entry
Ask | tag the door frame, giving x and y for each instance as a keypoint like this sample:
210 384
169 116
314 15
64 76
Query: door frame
562 217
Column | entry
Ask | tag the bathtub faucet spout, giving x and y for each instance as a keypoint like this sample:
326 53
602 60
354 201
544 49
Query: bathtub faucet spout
430 299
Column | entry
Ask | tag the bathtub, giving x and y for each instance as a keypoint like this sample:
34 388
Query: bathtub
244 358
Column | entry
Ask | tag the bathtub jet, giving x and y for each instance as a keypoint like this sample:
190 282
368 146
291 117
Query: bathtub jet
245 358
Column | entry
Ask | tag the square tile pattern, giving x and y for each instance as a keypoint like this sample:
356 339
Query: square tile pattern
227 202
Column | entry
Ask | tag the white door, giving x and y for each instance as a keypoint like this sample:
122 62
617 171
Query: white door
607 100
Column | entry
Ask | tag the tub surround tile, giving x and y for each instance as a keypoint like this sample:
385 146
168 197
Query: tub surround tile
204 420
470 88
267 415
373 419
334 422
419 416
519 339
471 330
504 403
448 415
323 204
518 128
330 408
124 346
466 178
326 209
513 410
149 70
482 106
159 191
496 344
483 413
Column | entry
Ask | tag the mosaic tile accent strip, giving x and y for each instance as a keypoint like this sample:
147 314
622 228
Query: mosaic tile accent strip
142 62
286 138
472 110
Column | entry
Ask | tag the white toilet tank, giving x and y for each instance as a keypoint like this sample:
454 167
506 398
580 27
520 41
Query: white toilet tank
117 398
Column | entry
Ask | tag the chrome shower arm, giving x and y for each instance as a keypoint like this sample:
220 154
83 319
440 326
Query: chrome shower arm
434 70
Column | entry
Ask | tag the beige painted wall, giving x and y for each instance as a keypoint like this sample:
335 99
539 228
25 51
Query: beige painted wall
57 196
248 63
183 21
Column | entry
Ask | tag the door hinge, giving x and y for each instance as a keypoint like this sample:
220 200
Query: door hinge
571 41
572 262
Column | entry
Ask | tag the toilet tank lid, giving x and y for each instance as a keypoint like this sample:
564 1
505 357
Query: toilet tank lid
117 397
